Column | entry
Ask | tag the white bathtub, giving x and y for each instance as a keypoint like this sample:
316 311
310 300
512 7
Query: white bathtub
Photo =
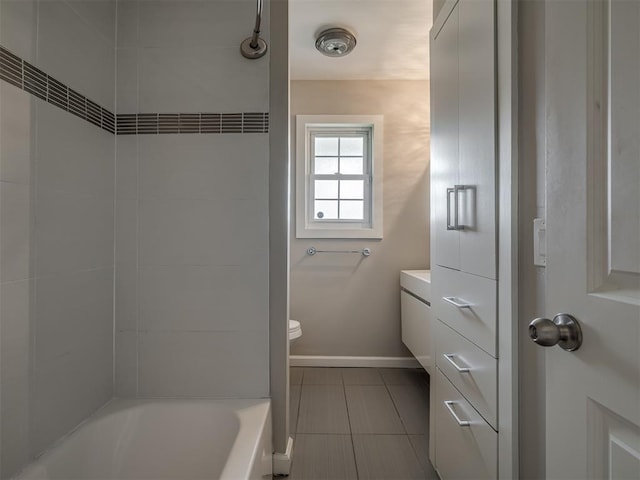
164 439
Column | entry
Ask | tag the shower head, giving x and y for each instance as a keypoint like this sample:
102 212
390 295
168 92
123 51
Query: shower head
335 42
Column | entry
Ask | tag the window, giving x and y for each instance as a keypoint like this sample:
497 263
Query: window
339 176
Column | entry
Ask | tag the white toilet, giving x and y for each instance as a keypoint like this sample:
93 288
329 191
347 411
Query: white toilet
295 331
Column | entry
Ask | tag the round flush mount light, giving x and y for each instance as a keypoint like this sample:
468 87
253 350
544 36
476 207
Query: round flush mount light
335 42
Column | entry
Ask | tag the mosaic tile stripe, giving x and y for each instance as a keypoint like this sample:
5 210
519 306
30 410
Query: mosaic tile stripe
163 123
22 74
27 77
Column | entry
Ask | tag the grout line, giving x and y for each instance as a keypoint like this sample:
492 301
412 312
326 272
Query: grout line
353 447
298 411
114 366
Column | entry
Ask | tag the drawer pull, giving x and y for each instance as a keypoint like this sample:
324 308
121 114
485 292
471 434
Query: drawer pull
449 404
449 357
457 302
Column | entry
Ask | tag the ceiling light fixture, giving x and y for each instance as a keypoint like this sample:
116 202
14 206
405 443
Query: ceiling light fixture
335 42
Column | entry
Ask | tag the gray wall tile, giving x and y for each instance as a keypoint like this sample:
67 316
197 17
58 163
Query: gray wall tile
126 373
73 232
99 14
74 53
73 155
18 27
16 227
16 139
215 364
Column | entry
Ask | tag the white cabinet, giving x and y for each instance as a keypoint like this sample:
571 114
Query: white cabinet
467 303
464 436
463 139
417 322
467 447
444 141
470 369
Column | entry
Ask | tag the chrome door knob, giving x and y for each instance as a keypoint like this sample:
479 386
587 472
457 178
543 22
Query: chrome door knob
564 330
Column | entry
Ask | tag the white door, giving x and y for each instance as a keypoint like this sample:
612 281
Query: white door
593 236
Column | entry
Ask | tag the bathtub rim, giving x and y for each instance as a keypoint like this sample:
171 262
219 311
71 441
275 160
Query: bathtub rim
250 411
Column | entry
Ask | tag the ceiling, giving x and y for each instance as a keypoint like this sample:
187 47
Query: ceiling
392 35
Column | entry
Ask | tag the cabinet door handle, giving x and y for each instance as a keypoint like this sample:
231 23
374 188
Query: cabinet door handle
456 220
457 302
449 192
463 423
449 357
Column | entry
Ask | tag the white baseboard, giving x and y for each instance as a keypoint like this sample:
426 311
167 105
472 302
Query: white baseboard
327 361
282 461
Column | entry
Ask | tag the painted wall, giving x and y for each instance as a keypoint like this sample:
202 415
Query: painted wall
532 279
349 305
192 210
56 228
437 6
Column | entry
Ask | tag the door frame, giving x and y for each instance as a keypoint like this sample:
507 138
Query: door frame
507 235
507 201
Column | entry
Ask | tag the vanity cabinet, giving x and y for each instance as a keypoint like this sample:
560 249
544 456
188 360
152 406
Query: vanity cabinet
416 317
464 423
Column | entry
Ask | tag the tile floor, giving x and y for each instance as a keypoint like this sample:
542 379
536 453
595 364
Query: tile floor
360 424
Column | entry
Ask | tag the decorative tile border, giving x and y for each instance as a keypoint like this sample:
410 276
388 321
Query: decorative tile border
159 123
25 76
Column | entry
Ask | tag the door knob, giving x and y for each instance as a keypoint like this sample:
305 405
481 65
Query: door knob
564 330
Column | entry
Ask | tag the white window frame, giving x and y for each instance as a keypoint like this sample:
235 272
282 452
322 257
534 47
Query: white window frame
306 225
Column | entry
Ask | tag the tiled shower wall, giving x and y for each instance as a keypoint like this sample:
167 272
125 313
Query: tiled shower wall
188 213
191 209
56 228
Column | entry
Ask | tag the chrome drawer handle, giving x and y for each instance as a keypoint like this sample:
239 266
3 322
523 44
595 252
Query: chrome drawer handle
449 356
457 302
449 404
449 225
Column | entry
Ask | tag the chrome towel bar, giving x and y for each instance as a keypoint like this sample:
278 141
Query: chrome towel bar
365 252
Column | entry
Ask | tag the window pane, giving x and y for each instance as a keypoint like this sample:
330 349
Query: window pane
351 166
326 209
352 146
352 210
326 189
352 189
326 146
326 166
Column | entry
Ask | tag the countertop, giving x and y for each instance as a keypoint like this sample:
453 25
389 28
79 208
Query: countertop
417 282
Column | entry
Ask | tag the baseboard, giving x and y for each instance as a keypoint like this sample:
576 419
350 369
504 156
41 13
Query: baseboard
328 361
282 461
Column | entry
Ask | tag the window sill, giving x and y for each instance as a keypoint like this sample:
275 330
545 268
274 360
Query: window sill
370 233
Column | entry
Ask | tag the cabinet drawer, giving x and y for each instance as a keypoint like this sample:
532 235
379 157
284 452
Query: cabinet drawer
474 316
416 329
478 384
462 452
